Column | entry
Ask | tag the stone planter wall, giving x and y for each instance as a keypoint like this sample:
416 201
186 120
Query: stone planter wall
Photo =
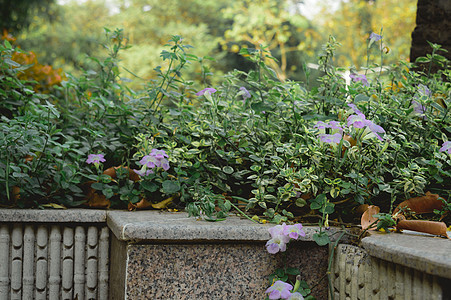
93 254
170 256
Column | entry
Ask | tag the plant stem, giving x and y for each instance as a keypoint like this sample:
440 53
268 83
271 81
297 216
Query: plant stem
243 214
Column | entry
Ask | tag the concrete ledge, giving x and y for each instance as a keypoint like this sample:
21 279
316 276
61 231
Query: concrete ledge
73 215
431 255
167 226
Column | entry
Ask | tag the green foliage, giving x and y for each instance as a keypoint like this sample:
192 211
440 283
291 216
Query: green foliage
256 144
18 14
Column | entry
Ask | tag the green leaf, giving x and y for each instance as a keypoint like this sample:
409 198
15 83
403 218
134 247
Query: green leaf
170 187
292 271
255 168
321 239
108 193
328 181
300 202
227 169
361 97
97 186
11 62
7 44
334 192
422 59
149 186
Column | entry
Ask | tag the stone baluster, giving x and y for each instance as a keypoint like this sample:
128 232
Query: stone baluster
42 237
54 262
28 263
79 262
68 264
4 262
91 263
103 263
16 262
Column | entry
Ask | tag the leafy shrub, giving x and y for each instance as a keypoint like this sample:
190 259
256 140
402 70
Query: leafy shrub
253 143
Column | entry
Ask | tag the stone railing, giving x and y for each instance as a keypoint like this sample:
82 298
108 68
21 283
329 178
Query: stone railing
53 254
92 254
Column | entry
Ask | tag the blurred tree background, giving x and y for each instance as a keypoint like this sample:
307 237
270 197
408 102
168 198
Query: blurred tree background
64 33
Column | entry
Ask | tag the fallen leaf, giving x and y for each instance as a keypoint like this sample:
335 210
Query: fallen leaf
139 205
54 205
421 205
98 201
163 204
431 227
367 219
112 173
361 208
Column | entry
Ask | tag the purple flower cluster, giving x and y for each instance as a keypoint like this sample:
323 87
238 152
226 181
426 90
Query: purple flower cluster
281 235
417 106
279 290
245 93
95 159
282 290
375 37
424 90
330 138
362 78
330 124
446 147
206 90
156 159
359 121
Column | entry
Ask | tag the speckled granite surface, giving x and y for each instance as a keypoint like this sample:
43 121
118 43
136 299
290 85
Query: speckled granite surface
158 226
428 254
72 215
216 271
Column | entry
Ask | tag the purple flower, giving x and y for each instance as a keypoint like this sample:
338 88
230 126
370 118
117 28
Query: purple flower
335 125
375 37
158 154
361 78
143 172
375 129
294 231
330 138
206 90
278 241
245 93
355 109
279 289
164 163
358 121
418 107
424 90
277 244
149 161
156 158
330 124
277 230
320 125
446 147
295 296
95 159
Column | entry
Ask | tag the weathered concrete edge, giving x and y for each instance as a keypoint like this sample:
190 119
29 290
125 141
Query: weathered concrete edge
148 226
431 255
72 215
